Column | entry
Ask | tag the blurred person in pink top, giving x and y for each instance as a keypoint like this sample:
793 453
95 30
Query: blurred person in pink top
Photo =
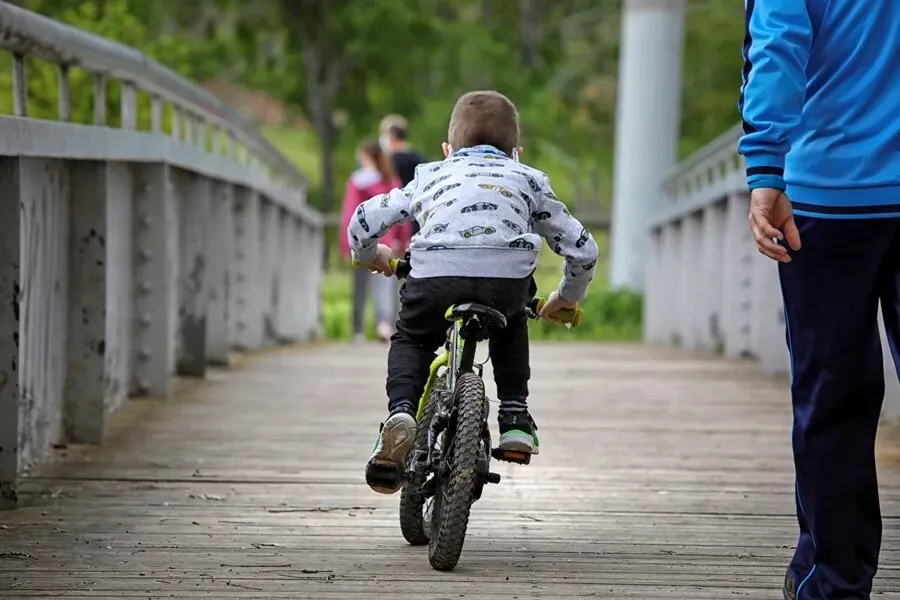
375 176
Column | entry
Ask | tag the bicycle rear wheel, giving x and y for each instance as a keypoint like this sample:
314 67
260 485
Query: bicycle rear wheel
454 493
414 507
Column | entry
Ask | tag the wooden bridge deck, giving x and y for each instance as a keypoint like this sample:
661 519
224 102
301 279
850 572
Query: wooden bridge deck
662 476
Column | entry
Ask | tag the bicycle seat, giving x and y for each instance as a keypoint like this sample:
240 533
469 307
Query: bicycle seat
468 310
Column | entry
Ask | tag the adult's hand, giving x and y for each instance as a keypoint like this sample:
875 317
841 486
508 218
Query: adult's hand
770 211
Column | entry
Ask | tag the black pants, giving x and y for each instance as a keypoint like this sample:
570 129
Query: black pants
422 329
831 290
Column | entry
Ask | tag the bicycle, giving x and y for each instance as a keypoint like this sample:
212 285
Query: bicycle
453 439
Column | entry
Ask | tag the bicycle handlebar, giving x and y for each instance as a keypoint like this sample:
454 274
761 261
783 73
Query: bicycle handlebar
570 316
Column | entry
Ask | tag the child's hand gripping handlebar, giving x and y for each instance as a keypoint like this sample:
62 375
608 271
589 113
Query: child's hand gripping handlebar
398 266
571 317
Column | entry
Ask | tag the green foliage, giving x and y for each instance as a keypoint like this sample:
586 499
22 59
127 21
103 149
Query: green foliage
557 61
340 65
712 80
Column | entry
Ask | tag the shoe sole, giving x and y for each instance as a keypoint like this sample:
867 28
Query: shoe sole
518 441
384 471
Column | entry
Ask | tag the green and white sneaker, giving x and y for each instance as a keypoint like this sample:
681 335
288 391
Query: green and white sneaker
518 432
386 466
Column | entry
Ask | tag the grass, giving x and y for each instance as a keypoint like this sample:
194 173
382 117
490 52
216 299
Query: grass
609 315
301 147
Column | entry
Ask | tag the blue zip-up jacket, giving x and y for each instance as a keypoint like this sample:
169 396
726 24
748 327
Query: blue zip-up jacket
820 103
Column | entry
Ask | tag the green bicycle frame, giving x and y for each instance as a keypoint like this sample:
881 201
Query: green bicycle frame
447 358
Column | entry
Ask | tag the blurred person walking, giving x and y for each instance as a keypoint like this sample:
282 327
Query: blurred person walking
375 176
392 136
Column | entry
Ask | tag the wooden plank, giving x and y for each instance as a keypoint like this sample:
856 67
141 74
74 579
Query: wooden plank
662 475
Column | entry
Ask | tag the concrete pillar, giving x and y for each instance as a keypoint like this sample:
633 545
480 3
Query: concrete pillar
194 194
301 283
10 286
44 205
246 301
300 303
768 330
737 278
671 249
647 127
316 264
155 276
33 313
100 296
287 267
310 249
712 268
691 281
269 231
654 294
220 264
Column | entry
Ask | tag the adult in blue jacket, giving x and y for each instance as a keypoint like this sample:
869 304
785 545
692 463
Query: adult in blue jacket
820 103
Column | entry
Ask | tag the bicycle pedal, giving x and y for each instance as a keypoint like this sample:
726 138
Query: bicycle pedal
384 478
513 456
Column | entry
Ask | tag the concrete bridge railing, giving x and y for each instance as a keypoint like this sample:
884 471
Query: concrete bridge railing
129 256
706 286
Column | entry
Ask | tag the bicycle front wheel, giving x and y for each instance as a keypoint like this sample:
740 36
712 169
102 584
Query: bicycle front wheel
454 494
415 510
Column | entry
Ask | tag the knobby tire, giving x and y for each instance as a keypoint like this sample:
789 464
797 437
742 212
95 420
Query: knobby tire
412 501
451 518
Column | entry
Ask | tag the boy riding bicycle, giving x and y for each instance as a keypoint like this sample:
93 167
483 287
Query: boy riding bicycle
481 215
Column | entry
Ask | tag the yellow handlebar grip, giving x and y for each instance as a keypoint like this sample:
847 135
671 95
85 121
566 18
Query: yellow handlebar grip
567 315
394 263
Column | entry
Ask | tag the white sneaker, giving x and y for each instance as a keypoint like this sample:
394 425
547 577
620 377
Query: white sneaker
385 331
384 470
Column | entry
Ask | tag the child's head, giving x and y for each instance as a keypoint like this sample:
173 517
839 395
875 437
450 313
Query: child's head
484 117
371 156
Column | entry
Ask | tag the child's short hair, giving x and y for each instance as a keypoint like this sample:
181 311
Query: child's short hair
484 117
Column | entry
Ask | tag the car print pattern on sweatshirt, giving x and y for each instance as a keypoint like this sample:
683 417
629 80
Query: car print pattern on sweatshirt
476 224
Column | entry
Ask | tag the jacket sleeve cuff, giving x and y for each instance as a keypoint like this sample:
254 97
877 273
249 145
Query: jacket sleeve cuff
765 170
365 254
766 181
572 290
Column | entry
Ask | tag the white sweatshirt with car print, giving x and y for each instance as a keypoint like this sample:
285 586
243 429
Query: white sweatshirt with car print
481 214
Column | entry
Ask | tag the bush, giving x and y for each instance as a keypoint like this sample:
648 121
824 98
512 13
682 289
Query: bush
609 315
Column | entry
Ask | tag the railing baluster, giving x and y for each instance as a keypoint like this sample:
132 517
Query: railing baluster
20 86
176 122
201 133
99 99
229 144
129 105
65 104
156 108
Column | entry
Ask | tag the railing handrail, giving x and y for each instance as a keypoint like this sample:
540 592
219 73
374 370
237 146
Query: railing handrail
28 33
729 139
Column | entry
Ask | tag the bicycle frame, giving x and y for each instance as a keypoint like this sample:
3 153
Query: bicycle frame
458 357
459 353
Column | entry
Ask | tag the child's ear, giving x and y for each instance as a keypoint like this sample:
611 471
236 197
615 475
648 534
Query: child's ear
447 149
